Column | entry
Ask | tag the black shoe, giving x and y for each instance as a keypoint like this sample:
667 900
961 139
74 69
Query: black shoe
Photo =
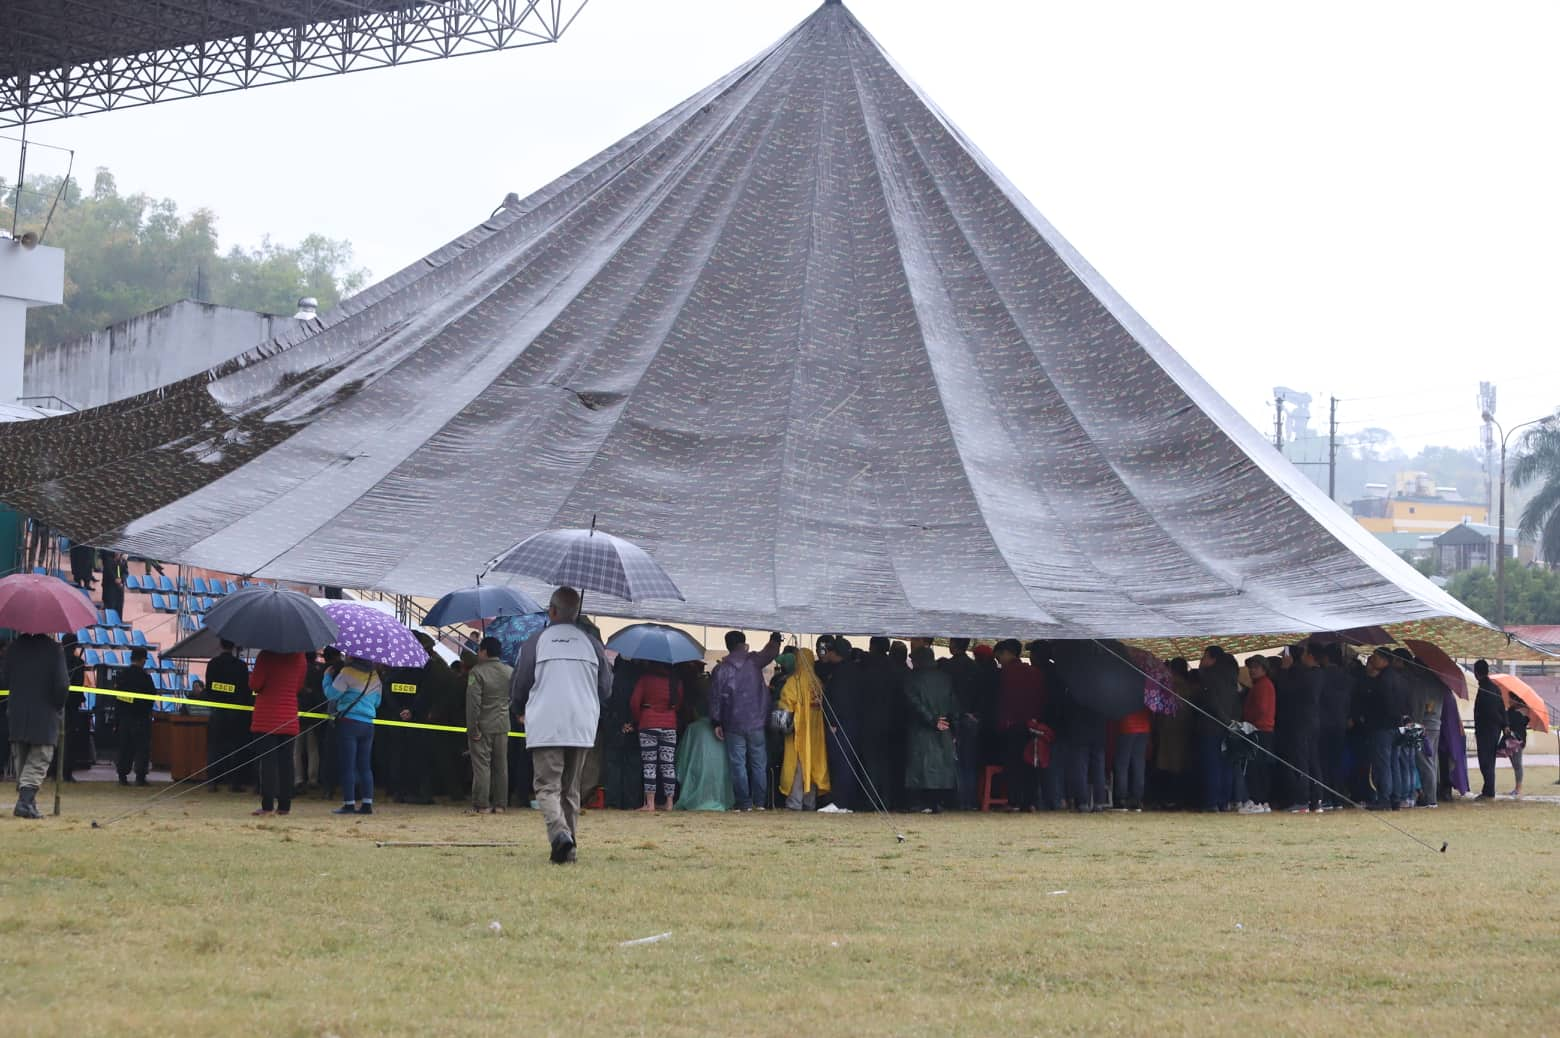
140 780
345 809
27 803
563 850
124 781
366 809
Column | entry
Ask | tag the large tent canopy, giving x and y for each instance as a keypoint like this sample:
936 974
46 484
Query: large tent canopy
799 340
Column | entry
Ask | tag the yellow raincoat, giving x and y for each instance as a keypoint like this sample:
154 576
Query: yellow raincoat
802 694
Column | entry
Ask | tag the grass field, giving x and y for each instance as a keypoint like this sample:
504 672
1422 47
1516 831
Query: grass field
195 919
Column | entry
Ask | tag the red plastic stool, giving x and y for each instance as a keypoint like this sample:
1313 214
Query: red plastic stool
597 801
988 781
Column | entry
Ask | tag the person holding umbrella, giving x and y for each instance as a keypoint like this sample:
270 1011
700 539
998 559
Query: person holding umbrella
34 671
353 691
33 668
561 681
277 679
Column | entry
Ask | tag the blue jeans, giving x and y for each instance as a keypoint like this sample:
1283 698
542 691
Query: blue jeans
1383 764
1131 759
355 760
748 755
1406 774
1217 778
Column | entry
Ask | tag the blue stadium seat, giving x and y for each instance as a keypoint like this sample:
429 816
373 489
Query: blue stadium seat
91 657
132 582
200 587
97 636
84 636
138 638
232 588
165 584
111 618
118 637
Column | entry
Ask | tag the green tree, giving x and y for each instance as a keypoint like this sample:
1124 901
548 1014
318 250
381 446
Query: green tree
127 254
1532 593
1538 466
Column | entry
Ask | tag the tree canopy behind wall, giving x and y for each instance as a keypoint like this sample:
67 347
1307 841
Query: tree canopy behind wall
127 254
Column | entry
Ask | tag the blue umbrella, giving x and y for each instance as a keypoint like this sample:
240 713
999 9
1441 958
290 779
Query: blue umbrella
513 632
656 643
591 561
482 602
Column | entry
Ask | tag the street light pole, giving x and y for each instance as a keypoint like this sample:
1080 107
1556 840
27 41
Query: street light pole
1500 533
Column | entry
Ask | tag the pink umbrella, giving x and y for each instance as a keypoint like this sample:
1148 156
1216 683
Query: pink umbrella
34 603
1445 668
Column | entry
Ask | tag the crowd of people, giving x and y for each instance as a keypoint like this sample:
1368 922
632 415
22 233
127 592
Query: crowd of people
893 726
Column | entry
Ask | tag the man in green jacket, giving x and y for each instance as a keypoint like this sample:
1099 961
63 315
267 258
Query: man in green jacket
930 771
487 728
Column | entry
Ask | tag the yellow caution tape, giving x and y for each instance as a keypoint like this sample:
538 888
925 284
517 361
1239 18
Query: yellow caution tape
128 696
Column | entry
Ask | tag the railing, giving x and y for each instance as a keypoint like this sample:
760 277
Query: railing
46 399
408 612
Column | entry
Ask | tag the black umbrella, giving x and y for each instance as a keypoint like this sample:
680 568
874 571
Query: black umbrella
1100 675
272 618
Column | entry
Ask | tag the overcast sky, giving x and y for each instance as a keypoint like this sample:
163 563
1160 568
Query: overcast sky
1346 198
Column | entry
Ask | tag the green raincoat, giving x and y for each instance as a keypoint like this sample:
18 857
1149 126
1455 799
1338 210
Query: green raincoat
929 760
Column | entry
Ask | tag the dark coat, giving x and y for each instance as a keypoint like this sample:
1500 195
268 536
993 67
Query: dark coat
134 679
33 668
1489 711
1220 696
929 758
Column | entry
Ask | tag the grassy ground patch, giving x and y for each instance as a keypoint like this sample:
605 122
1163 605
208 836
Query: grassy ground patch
196 919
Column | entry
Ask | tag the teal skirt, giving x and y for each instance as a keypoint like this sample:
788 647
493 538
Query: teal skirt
702 771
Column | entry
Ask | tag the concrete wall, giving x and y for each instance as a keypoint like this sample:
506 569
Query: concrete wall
145 352
29 276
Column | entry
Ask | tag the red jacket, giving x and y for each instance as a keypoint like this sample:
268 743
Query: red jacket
652 703
1259 705
1020 695
276 681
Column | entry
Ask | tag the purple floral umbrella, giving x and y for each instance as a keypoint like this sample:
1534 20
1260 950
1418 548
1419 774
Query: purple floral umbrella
371 635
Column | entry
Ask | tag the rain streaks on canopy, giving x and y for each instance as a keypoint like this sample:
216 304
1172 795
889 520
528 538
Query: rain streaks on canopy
796 338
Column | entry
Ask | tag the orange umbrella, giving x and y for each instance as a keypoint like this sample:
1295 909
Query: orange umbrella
1538 710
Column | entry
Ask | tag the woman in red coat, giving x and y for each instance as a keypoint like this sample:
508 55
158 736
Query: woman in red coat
277 679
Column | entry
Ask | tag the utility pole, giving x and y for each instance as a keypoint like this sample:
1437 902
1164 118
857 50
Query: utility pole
1332 447
1278 421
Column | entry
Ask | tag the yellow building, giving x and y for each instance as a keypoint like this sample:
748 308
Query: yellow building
1417 505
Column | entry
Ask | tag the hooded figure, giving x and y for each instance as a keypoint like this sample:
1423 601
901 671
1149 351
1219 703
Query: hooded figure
804 772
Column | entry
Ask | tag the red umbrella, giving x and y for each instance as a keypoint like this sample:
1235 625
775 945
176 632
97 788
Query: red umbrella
34 603
1451 675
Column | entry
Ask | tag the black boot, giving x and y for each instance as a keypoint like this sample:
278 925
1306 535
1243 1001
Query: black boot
27 802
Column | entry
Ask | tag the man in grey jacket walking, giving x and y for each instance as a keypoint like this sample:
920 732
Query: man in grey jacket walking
560 683
33 668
